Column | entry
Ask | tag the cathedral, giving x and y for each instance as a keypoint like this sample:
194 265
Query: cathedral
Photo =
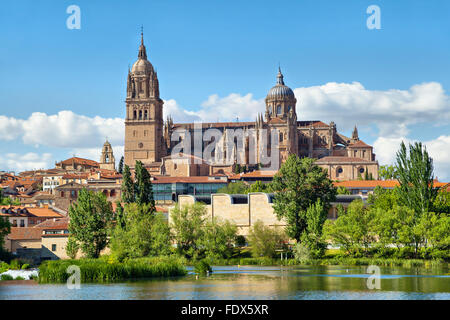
150 139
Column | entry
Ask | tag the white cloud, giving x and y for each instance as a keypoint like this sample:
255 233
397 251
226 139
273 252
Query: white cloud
217 109
62 130
95 153
438 149
28 161
392 111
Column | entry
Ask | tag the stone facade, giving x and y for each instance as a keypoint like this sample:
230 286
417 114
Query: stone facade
149 140
245 210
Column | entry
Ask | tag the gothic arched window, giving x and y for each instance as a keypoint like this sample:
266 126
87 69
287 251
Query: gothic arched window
134 114
145 114
278 109
140 114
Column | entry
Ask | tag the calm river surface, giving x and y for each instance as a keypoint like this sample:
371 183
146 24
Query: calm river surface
254 282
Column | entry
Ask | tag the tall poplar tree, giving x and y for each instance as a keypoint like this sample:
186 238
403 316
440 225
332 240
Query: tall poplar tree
143 186
120 169
127 186
414 171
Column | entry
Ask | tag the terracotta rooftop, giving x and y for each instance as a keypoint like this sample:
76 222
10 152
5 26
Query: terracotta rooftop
196 179
359 144
254 174
77 160
44 212
54 224
30 212
340 159
375 183
26 233
83 175
314 123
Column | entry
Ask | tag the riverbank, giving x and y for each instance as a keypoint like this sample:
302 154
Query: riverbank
385 262
104 270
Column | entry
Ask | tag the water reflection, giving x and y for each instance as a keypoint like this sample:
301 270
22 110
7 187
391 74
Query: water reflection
233 283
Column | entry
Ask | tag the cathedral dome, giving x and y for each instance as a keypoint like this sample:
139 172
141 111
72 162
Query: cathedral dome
280 90
142 66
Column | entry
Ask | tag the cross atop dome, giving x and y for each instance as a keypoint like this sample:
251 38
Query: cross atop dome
142 51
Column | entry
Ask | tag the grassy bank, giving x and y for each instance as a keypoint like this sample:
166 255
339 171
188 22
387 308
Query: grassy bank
386 262
104 270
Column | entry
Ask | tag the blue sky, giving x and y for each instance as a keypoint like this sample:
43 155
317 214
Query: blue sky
215 55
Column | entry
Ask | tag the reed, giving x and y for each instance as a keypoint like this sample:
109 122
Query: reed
103 270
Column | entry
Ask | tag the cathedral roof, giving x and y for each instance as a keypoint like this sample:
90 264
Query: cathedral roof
333 159
359 144
280 90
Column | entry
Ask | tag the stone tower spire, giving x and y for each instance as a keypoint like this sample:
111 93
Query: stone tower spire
144 116
142 51
355 134
107 160
280 77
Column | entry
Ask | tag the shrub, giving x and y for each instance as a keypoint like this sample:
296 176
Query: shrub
202 267
25 266
265 240
5 277
15 264
4 267
302 253
19 278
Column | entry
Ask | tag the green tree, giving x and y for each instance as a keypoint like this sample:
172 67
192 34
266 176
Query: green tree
120 168
72 247
442 202
342 190
297 185
218 239
5 229
415 175
353 229
387 172
265 240
90 219
234 188
316 215
143 189
259 186
120 215
187 226
127 186
144 233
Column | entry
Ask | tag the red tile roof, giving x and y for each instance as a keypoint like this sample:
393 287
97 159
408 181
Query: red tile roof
54 224
375 183
314 123
77 160
26 233
340 159
359 144
196 179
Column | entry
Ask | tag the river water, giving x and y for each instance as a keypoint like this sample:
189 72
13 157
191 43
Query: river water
254 282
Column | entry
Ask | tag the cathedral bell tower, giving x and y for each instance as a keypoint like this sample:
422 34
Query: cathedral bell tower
281 115
144 114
